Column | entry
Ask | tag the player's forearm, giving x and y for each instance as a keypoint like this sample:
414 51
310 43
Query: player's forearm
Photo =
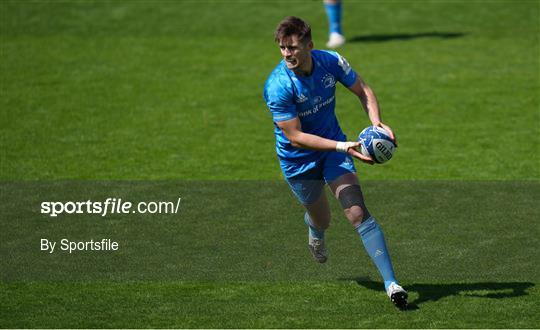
371 106
312 142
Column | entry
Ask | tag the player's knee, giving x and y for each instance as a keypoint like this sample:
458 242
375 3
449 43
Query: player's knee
356 215
352 202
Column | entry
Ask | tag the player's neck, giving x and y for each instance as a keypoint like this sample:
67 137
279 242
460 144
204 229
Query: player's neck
306 69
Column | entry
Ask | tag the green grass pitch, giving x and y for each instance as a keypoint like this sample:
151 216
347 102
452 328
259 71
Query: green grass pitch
155 100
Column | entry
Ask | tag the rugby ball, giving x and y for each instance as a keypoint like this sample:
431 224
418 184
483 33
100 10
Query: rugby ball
376 143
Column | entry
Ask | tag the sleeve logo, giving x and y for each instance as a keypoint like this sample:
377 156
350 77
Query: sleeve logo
344 64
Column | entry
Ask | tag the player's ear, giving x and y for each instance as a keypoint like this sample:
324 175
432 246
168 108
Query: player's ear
310 44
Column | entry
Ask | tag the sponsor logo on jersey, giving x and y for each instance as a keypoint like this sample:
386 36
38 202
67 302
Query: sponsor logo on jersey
316 107
301 99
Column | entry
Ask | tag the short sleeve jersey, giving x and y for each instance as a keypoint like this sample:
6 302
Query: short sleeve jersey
311 99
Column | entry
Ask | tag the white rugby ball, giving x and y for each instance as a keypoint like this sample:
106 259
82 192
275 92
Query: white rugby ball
377 144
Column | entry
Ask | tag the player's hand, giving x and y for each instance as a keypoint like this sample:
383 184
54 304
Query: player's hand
389 130
353 151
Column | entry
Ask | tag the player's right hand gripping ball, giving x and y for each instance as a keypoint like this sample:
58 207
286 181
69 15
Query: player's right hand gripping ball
377 144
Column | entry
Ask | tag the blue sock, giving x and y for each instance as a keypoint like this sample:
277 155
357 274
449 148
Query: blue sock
313 232
333 11
373 239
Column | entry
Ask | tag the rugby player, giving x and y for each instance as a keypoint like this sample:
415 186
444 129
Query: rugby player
311 147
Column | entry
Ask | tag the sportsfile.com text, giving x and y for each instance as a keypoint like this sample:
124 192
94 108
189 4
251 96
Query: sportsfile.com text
109 206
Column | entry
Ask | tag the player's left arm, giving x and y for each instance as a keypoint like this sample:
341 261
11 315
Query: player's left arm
370 104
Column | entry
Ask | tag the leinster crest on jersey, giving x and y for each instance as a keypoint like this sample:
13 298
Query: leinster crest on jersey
328 81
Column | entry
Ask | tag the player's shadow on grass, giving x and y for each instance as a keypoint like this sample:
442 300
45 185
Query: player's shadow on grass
434 292
405 36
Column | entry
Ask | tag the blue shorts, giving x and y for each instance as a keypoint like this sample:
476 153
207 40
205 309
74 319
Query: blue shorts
309 184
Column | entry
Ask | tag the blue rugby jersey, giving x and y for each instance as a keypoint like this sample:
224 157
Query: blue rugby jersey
311 99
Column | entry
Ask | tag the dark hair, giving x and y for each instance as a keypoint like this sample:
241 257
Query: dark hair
293 26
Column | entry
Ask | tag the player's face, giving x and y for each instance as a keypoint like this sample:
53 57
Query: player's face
297 54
